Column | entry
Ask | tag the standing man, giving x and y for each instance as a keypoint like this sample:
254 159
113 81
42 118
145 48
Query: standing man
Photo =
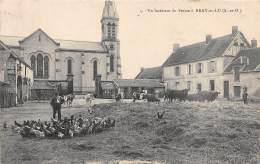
56 105
245 96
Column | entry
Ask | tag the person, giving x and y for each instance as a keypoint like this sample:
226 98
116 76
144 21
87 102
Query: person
56 105
245 96
134 96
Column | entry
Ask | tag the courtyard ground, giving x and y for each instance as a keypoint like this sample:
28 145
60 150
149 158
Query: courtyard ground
190 132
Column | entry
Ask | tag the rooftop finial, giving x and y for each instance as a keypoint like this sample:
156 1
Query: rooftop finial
109 10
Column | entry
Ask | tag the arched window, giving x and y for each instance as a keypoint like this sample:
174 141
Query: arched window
46 66
113 31
109 30
94 69
69 66
39 65
112 63
33 64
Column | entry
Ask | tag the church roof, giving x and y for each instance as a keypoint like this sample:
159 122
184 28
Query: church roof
63 44
150 73
253 57
81 45
109 10
201 51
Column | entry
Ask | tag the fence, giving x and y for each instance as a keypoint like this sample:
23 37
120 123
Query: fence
7 98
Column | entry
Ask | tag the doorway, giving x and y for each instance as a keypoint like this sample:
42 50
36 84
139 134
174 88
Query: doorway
226 89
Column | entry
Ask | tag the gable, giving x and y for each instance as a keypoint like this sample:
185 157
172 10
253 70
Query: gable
238 43
39 38
252 63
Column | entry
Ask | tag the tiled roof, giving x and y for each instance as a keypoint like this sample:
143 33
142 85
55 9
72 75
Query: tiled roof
151 83
201 51
107 85
81 45
150 73
253 56
64 44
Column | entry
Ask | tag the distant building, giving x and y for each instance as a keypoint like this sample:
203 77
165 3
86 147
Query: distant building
16 78
55 59
128 86
150 73
243 72
202 66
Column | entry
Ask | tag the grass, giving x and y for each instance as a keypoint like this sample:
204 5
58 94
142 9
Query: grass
190 132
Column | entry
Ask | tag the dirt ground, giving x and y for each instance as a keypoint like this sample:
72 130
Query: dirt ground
190 132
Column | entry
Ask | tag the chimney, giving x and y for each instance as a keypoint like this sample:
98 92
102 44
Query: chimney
175 47
253 43
234 30
208 38
142 69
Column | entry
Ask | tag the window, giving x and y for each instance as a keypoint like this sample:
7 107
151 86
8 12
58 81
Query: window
189 85
69 66
94 69
33 65
236 73
199 68
177 84
237 91
39 65
199 87
109 30
177 71
189 69
212 85
113 31
46 66
244 60
112 63
211 66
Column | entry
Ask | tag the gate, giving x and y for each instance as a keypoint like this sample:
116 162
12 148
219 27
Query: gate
7 98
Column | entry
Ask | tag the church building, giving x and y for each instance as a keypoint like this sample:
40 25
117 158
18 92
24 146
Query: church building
80 61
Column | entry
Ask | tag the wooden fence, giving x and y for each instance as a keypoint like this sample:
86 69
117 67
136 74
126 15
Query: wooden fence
7 98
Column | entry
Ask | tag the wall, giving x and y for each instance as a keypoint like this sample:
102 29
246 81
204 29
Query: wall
204 77
247 79
82 68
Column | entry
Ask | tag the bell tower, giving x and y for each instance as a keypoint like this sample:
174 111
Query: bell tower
109 24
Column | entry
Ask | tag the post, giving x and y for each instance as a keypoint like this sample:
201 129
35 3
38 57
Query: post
70 84
98 90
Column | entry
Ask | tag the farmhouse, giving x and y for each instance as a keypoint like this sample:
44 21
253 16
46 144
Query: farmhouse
243 72
16 78
201 66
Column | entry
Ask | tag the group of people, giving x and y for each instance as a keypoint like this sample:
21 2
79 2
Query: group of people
64 128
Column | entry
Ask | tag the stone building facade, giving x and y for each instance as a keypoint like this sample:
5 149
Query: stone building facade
55 59
201 66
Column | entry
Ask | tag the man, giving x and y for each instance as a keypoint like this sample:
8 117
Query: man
56 105
245 96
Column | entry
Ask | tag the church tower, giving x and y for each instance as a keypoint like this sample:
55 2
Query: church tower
110 22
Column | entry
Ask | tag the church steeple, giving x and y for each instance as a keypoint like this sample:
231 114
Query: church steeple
109 21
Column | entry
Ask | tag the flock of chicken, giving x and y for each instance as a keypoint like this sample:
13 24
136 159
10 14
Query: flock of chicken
65 128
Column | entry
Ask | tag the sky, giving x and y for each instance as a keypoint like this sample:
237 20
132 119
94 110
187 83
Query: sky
146 35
